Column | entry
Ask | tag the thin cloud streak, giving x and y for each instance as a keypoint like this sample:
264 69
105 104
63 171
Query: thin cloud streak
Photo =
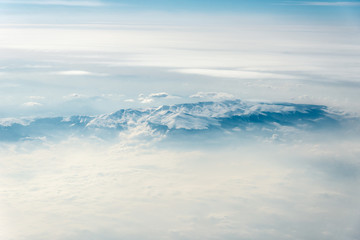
58 3
234 74
338 4
79 73
32 104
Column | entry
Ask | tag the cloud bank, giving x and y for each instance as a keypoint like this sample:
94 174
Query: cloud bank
83 188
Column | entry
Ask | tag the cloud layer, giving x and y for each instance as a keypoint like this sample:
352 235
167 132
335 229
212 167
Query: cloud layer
83 188
220 73
269 61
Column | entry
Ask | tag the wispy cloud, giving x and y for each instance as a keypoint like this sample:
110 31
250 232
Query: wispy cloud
10 121
59 3
32 104
339 4
37 66
224 73
37 97
74 96
148 99
80 73
213 95
144 99
159 95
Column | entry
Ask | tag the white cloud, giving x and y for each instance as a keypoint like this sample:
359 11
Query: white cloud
221 73
37 97
74 96
10 121
84 189
79 73
146 100
129 100
213 95
317 55
59 3
38 66
158 95
32 104
150 98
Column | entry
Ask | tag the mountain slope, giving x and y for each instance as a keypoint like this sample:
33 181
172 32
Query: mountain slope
230 115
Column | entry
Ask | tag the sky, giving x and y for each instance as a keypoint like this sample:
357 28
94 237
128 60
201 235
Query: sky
97 52
231 119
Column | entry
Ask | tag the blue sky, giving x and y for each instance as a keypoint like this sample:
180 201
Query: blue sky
317 10
202 5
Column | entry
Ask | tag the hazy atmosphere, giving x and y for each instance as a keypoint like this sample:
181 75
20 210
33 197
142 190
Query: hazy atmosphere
140 119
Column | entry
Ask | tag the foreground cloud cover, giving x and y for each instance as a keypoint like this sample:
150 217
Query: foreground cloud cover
230 169
249 171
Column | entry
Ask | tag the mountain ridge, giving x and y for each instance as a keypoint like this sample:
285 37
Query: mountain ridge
202 116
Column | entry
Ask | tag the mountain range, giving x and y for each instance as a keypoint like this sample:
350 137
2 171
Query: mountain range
228 115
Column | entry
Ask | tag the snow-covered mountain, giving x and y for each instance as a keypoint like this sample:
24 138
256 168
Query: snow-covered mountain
230 115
